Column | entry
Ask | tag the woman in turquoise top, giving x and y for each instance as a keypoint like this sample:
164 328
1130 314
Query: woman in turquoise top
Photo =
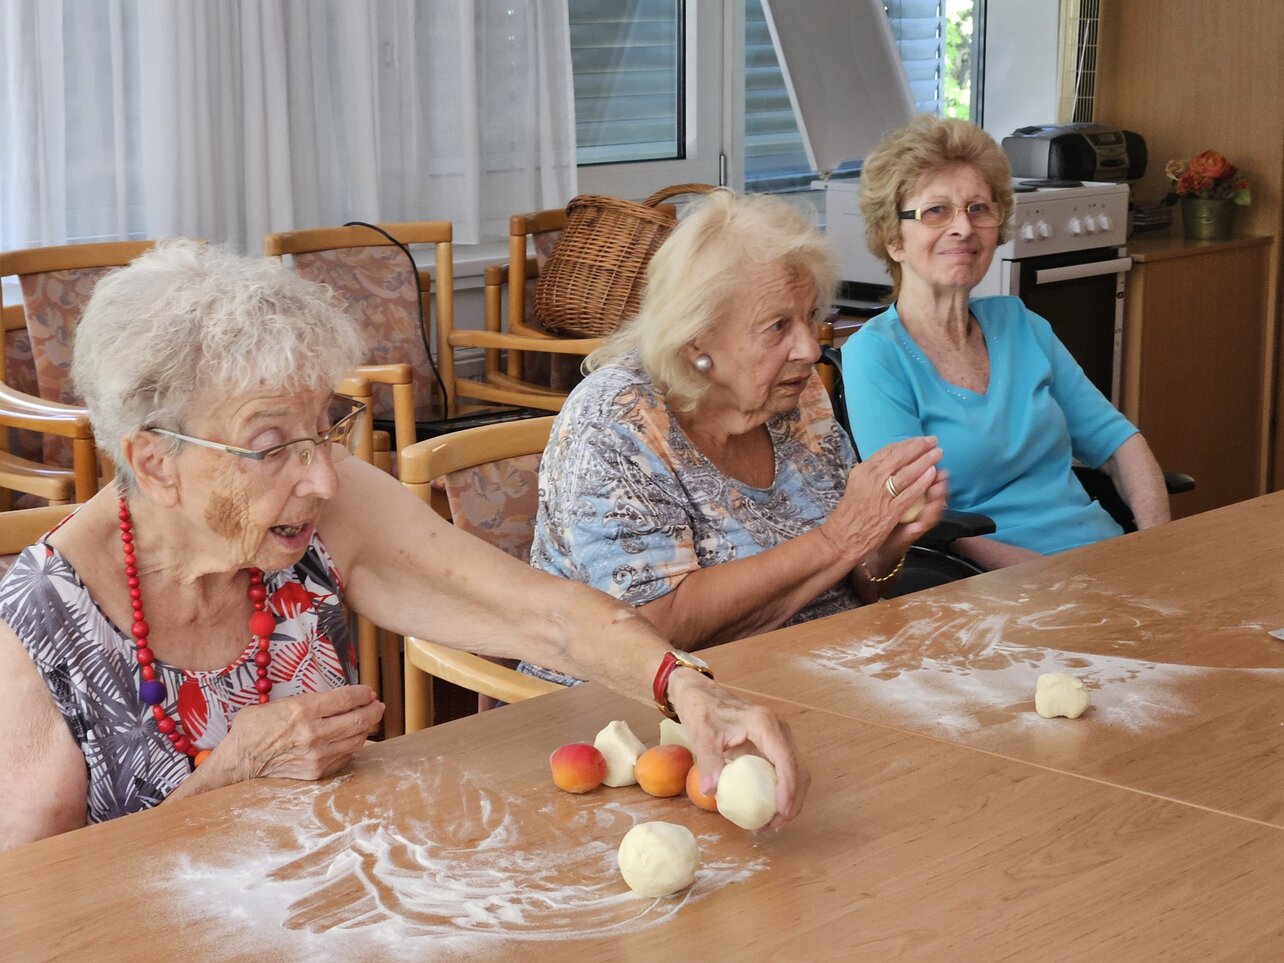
987 377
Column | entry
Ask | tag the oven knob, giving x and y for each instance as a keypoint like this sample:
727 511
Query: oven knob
1076 226
1027 232
1104 222
1045 229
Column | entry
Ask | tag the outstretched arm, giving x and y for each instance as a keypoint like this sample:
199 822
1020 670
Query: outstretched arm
413 573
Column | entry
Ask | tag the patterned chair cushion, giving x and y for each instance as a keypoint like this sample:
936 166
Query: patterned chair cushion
378 287
497 502
20 373
53 302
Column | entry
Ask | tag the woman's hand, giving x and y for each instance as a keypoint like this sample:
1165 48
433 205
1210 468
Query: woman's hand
716 721
306 736
868 513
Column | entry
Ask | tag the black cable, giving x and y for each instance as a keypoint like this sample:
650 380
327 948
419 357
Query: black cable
419 300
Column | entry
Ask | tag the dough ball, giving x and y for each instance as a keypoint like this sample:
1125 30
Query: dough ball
673 734
621 749
658 859
1058 694
913 511
746 791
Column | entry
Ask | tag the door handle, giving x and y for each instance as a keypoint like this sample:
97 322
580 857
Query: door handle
1073 272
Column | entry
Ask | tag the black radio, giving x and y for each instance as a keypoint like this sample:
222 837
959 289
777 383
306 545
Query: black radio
1080 152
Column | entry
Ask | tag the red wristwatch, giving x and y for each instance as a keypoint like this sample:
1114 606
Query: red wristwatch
660 687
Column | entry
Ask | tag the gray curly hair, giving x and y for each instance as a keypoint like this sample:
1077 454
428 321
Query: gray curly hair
717 249
189 318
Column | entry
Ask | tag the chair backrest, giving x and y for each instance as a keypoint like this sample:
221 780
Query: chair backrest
490 488
56 285
489 478
21 527
382 289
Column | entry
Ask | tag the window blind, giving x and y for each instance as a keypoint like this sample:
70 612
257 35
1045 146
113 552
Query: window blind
774 155
627 63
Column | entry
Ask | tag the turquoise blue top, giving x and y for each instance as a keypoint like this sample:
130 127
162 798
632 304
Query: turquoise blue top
1009 450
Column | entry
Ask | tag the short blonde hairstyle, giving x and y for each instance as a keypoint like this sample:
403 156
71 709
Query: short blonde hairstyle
721 245
906 157
188 318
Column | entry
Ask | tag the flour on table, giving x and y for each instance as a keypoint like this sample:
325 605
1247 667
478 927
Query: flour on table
957 665
312 879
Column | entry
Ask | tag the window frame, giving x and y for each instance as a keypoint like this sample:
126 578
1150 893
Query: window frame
703 85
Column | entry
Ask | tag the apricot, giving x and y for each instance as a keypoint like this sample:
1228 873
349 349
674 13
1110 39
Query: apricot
703 800
577 767
662 770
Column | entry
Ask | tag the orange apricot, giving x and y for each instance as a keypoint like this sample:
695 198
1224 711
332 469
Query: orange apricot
577 767
662 770
703 800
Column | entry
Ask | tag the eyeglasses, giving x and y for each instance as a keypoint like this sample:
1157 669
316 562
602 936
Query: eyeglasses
341 438
980 213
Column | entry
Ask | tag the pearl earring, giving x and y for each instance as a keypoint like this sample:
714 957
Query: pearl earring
703 363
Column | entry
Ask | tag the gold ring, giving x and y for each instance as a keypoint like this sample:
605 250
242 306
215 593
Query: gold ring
890 485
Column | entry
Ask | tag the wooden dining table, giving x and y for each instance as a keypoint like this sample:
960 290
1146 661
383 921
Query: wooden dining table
946 819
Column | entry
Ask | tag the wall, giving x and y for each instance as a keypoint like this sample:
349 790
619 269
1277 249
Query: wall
1189 75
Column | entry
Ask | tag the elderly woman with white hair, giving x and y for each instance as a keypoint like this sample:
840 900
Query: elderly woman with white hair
698 472
185 629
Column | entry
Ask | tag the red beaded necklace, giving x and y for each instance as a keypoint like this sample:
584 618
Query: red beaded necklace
152 690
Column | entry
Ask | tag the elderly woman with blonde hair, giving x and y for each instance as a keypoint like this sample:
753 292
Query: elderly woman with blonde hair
698 472
987 376
186 628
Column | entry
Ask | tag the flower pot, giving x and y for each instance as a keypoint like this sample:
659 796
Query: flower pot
1206 220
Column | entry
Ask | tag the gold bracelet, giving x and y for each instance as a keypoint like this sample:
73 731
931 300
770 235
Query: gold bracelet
880 579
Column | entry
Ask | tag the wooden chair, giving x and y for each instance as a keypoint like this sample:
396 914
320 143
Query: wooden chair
56 285
479 470
390 298
22 527
58 486
378 650
514 378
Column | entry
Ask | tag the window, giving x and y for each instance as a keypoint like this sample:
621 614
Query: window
648 93
627 65
934 40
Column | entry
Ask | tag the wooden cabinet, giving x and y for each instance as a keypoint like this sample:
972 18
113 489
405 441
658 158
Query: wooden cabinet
1196 363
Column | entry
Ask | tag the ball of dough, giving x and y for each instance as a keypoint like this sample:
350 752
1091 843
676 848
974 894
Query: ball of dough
658 859
1058 694
746 791
913 511
621 748
673 734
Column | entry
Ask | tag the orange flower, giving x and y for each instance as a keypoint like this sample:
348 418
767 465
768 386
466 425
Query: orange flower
1210 164
1190 183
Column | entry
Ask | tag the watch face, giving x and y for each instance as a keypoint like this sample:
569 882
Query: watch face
693 660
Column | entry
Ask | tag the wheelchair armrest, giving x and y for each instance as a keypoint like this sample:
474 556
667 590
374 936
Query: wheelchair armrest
954 525
1176 482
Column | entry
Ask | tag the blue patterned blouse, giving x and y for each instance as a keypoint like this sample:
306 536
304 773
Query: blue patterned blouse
630 506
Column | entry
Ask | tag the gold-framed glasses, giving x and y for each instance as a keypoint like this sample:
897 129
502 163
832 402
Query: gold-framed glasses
342 437
980 213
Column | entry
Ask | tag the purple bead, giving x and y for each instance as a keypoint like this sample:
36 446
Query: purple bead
152 692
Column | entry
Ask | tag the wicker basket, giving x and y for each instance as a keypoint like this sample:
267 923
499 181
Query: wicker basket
593 279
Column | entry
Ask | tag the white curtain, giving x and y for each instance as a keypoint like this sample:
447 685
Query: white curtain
226 119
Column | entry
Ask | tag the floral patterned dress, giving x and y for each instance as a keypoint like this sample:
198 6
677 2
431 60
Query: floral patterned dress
88 664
